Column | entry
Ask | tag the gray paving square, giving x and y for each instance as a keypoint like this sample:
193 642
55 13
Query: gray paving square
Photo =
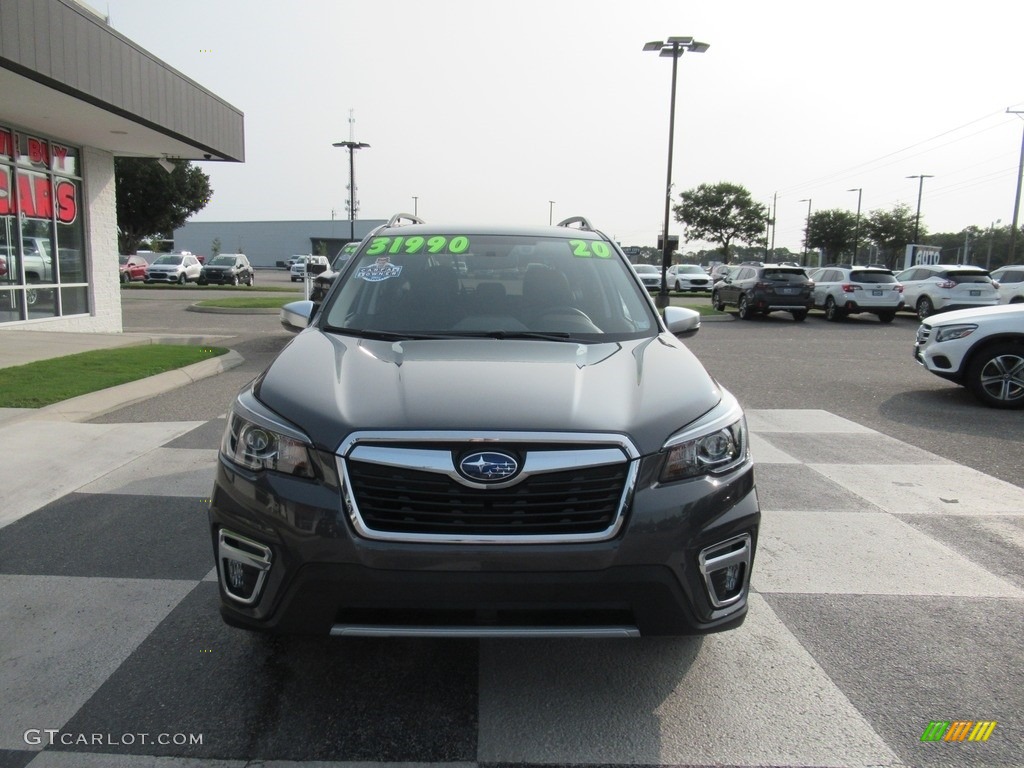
765 452
748 697
207 436
113 536
906 661
863 553
798 487
61 638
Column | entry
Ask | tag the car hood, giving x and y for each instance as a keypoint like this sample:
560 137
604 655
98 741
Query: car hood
331 385
1012 314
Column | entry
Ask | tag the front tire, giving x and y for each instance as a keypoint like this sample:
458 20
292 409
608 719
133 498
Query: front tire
886 317
181 279
716 302
799 315
125 278
252 279
996 376
925 308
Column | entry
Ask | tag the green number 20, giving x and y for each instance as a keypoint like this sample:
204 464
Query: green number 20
585 250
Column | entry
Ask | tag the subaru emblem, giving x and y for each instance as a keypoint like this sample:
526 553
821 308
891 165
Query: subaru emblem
488 467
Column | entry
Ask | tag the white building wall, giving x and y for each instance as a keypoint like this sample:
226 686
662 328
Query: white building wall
99 207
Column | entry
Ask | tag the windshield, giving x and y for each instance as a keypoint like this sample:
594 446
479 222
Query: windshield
168 260
645 269
690 269
968 277
223 261
785 275
122 260
429 283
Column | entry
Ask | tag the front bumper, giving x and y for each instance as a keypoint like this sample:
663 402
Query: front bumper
651 579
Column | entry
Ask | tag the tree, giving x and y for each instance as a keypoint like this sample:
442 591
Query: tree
832 231
722 213
891 231
150 200
215 247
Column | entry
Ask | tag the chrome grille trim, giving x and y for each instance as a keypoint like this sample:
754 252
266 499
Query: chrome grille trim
387 449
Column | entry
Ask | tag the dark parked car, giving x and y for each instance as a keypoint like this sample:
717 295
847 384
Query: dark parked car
367 483
228 269
762 289
132 268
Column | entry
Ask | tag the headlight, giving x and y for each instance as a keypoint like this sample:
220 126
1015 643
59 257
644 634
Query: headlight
257 447
715 443
950 332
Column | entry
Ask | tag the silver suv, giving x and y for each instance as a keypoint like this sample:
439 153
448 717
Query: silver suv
1011 283
843 290
520 446
931 288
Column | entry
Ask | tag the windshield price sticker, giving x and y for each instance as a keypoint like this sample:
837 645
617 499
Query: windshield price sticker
418 244
583 249
382 269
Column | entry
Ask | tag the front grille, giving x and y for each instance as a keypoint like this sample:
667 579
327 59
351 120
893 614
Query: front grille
569 502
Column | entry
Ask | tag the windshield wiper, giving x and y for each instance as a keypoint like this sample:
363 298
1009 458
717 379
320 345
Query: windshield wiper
369 333
542 335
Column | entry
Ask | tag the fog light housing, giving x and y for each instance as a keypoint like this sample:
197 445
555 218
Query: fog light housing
726 570
242 565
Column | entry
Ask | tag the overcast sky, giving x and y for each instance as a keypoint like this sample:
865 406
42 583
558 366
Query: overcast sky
487 111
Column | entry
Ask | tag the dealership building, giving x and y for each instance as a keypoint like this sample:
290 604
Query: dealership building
77 94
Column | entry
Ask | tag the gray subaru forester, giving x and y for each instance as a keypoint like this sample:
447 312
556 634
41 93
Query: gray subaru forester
485 431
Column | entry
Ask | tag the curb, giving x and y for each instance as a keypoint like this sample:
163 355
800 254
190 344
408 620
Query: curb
233 310
93 404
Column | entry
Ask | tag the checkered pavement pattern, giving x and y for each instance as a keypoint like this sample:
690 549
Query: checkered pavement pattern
888 593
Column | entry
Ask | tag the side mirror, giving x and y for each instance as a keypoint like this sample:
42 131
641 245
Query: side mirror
296 315
682 321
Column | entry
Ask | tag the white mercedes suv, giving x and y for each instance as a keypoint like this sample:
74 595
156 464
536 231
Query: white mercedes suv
982 349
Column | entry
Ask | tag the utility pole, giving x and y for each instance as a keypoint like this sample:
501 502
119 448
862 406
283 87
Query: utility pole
1016 198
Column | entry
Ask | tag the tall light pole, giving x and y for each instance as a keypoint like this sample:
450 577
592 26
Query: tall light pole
920 189
1012 257
352 146
856 226
551 211
672 48
415 206
807 228
991 235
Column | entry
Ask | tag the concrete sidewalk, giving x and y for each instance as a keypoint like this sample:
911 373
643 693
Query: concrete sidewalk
18 347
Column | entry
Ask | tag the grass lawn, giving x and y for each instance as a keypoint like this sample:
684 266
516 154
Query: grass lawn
211 287
51 381
250 302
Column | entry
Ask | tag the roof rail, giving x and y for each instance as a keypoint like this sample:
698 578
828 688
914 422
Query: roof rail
584 224
393 221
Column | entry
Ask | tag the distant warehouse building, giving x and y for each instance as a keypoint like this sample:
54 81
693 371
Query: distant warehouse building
76 94
268 242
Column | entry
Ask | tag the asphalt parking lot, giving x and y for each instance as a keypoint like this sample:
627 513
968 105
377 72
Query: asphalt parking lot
888 594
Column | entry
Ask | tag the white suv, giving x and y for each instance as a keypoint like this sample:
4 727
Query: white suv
846 290
318 264
931 288
1011 283
982 349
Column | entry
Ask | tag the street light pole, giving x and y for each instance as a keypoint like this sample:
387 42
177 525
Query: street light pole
920 189
856 226
991 235
807 227
415 206
551 211
673 48
1016 199
352 146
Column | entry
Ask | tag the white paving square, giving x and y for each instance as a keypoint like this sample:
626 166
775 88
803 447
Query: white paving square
863 553
752 696
61 638
765 453
797 420
162 472
945 489
83 452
